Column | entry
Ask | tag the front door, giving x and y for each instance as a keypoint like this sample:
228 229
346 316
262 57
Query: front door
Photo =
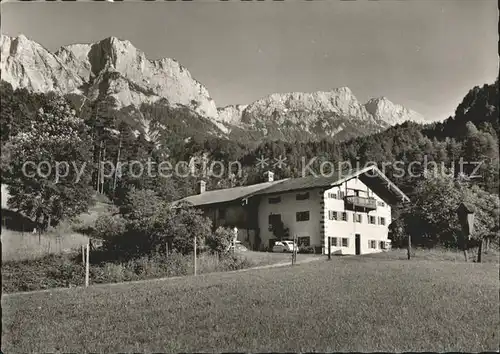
358 244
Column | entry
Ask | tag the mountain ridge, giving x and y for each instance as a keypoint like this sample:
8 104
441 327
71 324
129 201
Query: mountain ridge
115 68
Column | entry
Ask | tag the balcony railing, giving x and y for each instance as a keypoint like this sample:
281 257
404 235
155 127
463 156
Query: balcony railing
355 202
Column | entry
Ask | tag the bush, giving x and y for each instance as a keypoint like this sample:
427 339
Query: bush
306 249
233 262
113 272
109 227
148 224
51 271
220 240
67 270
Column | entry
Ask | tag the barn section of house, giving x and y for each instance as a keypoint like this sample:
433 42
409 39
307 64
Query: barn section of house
351 211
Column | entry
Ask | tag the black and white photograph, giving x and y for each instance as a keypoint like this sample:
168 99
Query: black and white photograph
215 176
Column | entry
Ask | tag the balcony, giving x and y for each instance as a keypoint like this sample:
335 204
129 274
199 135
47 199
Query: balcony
353 202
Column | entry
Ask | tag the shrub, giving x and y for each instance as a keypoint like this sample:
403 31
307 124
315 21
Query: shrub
306 249
233 262
186 224
63 272
148 224
67 270
109 227
220 240
431 218
177 264
113 272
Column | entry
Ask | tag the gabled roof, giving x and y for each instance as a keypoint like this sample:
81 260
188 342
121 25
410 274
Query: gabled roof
226 195
295 184
370 175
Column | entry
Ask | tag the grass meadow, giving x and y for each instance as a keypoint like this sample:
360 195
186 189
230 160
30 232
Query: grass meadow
364 303
64 238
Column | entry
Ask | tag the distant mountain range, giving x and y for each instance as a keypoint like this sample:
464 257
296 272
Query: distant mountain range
115 68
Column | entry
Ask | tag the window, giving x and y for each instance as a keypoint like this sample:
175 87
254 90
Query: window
344 216
333 241
332 215
302 216
345 242
372 244
273 219
302 196
358 218
274 200
304 241
371 219
382 245
222 213
379 203
332 195
382 221
341 194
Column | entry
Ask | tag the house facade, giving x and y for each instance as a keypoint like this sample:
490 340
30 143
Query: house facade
321 216
347 214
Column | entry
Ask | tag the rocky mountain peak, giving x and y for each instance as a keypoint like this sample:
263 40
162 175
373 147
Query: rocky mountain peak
110 67
115 68
383 109
231 114
25 63
339 101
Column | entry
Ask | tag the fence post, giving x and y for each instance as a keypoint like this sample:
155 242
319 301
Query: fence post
195 255
464 247
329 248
294 250
87 266
480 249
409 246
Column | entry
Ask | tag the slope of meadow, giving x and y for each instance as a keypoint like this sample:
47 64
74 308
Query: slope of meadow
347 304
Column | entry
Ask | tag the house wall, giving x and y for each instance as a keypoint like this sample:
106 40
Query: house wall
227 215
287 208
234 215
252 220
348 229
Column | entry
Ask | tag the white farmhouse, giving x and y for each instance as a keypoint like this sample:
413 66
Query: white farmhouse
345 213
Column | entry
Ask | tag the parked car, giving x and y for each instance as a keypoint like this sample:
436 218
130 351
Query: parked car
285 246
237 247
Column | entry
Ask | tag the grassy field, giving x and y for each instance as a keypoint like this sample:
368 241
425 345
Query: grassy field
439 255
18 246
65 237
266 258
346 304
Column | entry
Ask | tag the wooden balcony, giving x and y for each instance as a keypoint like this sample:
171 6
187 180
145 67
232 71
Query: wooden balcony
353 202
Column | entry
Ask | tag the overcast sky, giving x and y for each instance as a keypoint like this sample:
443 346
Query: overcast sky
423 54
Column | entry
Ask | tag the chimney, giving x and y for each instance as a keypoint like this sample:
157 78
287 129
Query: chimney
201 186
269 176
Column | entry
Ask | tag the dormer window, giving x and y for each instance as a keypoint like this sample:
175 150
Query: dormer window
274 200
302 196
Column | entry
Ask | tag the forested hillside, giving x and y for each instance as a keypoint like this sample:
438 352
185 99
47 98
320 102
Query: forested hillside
114 136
